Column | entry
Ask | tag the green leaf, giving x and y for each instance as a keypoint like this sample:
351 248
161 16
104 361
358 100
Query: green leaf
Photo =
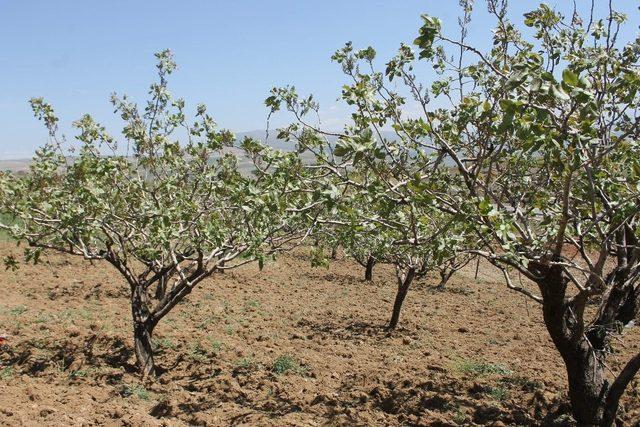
570 78
559 93
340 151
428 32
515 80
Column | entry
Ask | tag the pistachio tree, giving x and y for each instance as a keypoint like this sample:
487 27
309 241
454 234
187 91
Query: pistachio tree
167 205
380 211
366 247
359 242
541 133
532 145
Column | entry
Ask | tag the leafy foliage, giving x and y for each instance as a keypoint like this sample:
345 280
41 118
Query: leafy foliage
379 191
168 215
526 155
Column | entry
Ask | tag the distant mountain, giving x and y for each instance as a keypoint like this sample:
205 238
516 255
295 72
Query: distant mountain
22 165
18 165
279 144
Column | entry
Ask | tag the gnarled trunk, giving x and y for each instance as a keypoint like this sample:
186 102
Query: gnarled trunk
620 294
142 335
368 271
403 287
143 326
593 403
587 384
621 301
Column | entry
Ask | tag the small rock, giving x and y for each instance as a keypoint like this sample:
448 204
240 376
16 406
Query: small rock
47 411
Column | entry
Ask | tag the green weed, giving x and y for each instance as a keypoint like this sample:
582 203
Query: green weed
164 343
498 393
17 310
481 368
6 372
136 391
243 362
287 363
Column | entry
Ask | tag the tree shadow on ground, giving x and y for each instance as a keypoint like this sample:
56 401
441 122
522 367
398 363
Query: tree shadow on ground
436 398
349 330
219 390
34 356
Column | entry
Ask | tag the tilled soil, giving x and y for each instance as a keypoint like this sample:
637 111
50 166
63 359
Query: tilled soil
289 346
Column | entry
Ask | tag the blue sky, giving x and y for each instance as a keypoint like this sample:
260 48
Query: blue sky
230 53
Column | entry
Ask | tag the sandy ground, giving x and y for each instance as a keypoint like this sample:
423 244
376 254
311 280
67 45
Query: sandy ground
288 346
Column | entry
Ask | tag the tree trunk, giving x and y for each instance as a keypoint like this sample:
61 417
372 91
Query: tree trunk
368 272
630 307
593 401
445 275
587 385
619 294
334 253
403 288
142 331
622 299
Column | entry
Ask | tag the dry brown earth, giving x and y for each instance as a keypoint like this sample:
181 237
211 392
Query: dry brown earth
474 354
